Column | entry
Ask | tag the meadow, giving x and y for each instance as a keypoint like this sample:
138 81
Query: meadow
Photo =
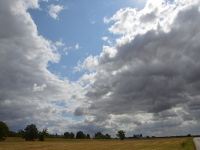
15 143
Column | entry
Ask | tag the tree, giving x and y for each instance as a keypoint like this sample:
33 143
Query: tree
30 133
121 134
20 133
80 135
42 135
137 136
99 135
3 131
72 135
67 135
12 134
88 136
107 136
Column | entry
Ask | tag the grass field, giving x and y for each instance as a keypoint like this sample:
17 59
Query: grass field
87 144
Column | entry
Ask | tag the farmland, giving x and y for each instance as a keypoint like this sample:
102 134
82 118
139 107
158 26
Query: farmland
16 143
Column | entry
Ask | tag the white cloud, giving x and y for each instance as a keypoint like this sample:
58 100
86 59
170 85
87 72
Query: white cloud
54 10
131 21
105 38
77 46
108 40
37 88
89 63
124 18
59 43
87 78
68 48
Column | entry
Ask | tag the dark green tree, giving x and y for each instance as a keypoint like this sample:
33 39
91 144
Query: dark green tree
72 135
20 133
3 131
99 135
121 134
67 135
88 136
107 136
12 134
80 135
30 132
42 135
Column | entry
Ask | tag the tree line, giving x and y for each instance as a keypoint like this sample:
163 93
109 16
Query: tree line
30 133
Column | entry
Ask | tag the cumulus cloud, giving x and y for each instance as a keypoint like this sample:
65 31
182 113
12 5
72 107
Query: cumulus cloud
54 10
152 71
29 92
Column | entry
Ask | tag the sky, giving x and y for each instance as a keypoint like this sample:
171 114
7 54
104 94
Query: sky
101 65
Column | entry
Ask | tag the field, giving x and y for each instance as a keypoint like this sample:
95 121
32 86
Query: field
91 144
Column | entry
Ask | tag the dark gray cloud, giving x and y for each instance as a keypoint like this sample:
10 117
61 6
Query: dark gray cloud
79 111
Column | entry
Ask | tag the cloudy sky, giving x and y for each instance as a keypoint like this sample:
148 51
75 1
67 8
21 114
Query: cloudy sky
101 65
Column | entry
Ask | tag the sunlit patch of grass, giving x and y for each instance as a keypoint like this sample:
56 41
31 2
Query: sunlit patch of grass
93 144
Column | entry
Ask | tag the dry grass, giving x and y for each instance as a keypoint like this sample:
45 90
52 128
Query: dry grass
127 144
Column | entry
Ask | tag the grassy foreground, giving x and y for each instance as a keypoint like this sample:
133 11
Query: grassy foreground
86 144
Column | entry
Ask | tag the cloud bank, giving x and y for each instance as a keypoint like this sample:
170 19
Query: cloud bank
149 81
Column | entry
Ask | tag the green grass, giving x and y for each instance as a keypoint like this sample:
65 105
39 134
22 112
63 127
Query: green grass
188 144
93 144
